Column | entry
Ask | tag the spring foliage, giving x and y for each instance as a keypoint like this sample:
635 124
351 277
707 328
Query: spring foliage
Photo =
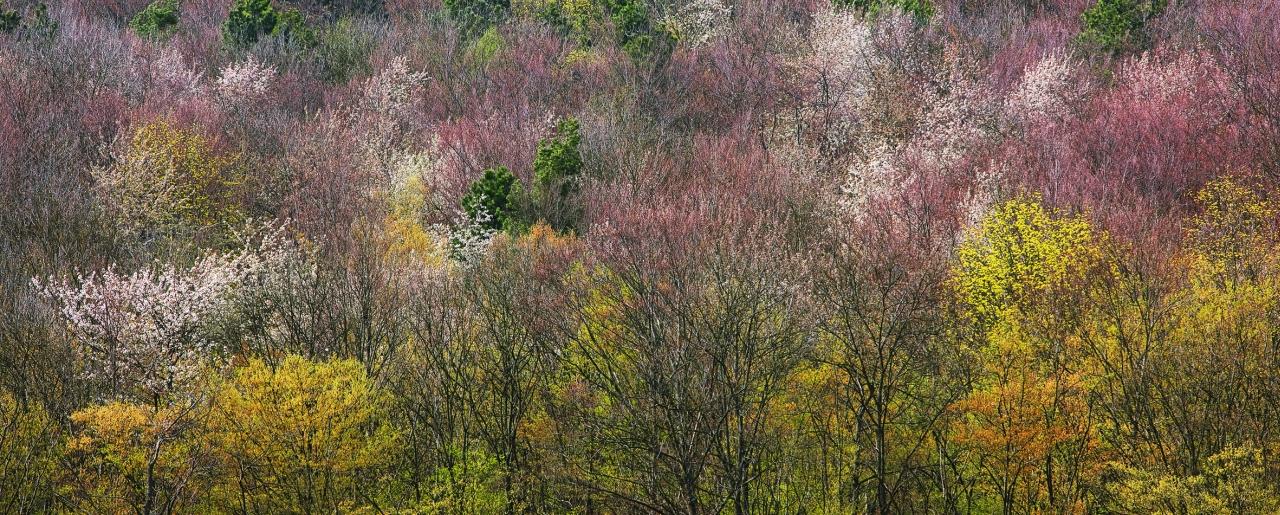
632 256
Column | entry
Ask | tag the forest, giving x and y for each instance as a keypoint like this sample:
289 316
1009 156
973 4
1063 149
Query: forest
640 256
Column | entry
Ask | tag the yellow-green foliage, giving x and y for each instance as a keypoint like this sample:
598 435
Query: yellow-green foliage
487 46
169 177
472 485
572 17
306 437
1233 481
1020 251
301 437
1233 228
130 455
403 227
28 452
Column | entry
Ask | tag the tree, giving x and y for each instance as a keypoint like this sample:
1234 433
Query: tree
882 330
493 194
10 19
637 34
137 458
30 445
921 9
474 17
249 20
303 437
169 181
1234 481
1116 26
148 336
557 170
678 369
158 20
1022 282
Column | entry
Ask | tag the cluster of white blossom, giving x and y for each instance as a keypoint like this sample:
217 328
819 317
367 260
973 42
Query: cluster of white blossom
954 121
1046 90
983 193
245 82
700 21
868 179
470 239
150 332
843 52
390 92
170 73
383 110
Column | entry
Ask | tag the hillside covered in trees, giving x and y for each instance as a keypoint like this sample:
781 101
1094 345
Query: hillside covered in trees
639 256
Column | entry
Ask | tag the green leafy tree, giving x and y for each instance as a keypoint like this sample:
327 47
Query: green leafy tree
345 49
9 18
493 197
249 20
636 33
473 17
921 9
488 45
1115 26
557 168
291 24
158 20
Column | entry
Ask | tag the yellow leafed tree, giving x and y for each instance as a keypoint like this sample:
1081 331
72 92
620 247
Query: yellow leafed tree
306 437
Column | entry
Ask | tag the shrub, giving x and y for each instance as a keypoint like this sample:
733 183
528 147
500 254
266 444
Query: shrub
158 20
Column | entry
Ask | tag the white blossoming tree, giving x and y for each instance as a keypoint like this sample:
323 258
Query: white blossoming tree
151 333
245 82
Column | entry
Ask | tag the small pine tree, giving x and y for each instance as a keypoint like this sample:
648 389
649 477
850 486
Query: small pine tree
556 170
158 20
474 17
1116 26
636 33
921 9
9 18
493 194
249 20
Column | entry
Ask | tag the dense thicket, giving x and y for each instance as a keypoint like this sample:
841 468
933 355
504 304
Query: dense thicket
639 256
